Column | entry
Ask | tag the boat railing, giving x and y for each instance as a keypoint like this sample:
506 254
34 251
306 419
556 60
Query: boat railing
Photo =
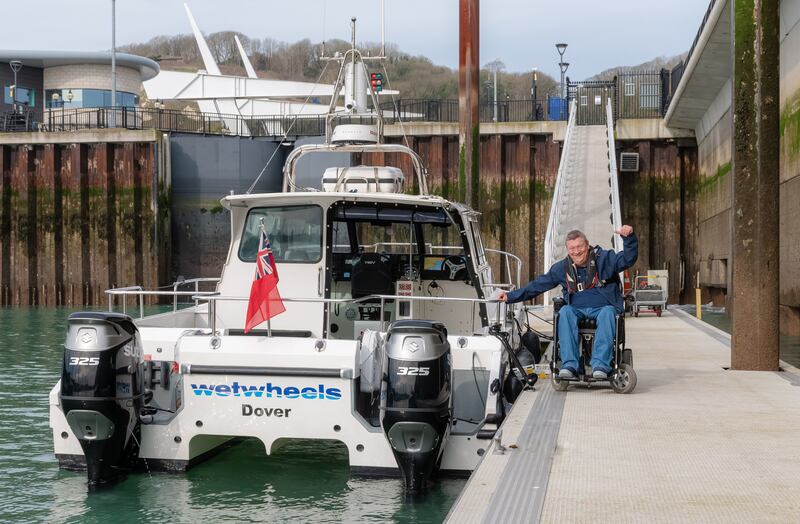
141 293
213 298
510 261
196 282
289 175
125 292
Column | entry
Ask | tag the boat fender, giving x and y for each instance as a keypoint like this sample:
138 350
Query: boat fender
370 361
514 384
530 341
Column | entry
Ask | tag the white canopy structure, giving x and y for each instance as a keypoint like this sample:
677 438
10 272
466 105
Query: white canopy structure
234 97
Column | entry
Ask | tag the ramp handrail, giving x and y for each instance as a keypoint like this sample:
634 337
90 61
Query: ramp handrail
612 168
555 208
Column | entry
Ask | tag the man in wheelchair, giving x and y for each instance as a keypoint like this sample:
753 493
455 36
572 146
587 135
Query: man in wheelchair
589 278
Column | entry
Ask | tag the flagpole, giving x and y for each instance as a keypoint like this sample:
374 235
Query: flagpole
269 321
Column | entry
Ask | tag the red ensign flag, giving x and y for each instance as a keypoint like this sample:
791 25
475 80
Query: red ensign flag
265 301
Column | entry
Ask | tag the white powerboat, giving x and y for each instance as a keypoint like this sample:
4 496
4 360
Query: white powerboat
389 342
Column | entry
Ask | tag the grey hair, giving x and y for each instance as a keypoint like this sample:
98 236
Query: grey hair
576 234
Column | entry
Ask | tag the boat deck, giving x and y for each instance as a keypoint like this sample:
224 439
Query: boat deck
693 443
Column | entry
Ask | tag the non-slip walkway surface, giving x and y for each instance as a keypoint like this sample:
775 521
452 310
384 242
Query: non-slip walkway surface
693 443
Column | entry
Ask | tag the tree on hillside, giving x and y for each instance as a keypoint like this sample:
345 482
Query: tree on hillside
413 76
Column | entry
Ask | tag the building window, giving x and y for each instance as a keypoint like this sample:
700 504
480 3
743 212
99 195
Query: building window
648 96
24 96
584 100
88 98
630 89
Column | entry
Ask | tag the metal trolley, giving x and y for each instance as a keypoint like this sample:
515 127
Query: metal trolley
650 294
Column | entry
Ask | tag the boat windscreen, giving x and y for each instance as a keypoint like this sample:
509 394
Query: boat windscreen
392 214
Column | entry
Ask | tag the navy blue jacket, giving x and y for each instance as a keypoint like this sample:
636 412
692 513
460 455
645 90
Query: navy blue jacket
609 264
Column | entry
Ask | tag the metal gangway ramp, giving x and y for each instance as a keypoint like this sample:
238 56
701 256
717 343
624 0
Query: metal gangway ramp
586 195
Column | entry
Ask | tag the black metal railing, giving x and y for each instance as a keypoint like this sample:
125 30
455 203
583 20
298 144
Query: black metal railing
676 74
637 94
640 94
408 110
420 110
590 100
18 121
525 110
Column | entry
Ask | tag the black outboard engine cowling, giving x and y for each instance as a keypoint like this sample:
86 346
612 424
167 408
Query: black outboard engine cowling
102 391
416 403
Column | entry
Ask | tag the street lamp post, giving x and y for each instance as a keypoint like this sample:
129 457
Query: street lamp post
488 85
561 48
564 66
113 63
533 95
16 65
495 94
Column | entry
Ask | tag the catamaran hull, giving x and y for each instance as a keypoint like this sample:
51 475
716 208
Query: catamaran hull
216 404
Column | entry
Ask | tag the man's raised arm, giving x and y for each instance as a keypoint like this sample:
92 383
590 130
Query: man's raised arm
630 249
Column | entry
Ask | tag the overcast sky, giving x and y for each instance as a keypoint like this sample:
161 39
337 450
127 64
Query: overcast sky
521 33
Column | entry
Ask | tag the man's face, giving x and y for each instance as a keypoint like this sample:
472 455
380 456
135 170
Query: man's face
578 250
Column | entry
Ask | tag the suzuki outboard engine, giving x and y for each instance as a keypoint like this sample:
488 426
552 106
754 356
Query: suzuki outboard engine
416 403
102 391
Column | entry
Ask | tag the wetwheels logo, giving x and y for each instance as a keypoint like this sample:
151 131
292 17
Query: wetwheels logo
267 390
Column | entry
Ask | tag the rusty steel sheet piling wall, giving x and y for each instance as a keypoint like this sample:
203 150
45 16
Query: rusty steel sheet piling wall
660 202
515 187
79 218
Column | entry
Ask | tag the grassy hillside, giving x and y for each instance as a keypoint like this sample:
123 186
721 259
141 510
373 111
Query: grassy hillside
413 76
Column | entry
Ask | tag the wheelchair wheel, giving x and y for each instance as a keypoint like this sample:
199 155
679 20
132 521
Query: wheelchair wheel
558 385
624 380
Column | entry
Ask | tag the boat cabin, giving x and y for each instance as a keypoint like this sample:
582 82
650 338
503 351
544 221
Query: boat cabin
354 261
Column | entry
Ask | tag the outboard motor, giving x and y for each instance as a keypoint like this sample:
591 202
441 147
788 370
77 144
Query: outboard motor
416 404
102 391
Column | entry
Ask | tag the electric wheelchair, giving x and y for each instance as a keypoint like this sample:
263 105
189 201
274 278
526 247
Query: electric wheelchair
622 377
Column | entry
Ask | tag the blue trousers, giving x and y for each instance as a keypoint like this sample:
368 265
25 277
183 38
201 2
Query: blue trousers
568 342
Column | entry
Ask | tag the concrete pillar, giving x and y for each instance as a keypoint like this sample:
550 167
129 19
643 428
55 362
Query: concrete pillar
468 90
754 343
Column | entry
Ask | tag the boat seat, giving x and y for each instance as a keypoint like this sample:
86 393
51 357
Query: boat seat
371 275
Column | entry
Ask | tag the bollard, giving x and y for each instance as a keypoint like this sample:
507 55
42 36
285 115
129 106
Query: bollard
697 299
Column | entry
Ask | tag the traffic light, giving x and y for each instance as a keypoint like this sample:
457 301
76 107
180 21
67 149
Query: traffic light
376 80
11 93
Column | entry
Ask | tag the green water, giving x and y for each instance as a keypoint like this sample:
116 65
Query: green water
790 346
302 482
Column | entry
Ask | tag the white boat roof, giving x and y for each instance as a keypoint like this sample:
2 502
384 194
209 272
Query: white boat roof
324 197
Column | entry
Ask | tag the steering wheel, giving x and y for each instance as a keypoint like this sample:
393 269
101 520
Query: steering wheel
456 266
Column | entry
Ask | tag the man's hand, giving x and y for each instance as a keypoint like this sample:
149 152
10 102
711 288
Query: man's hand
624 231
502 296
